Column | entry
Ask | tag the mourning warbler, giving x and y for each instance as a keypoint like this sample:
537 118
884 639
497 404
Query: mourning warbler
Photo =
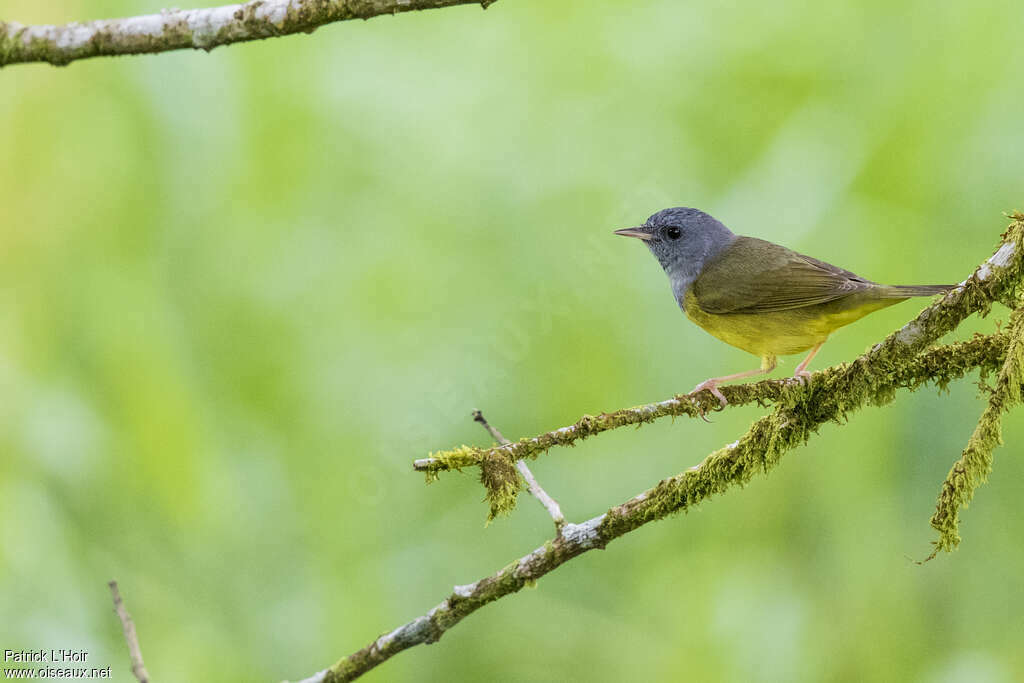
756 295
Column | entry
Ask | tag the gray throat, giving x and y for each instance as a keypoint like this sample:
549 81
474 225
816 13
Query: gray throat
681 275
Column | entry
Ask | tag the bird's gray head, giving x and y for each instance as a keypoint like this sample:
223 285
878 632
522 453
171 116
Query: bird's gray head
683 240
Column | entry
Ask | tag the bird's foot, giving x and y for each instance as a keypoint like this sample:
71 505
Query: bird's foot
802 376
712 386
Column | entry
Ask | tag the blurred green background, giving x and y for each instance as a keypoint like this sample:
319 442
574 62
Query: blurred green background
241 291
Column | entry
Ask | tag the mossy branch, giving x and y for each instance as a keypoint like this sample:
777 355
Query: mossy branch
902 361
200 29
975 464
758 451
792 423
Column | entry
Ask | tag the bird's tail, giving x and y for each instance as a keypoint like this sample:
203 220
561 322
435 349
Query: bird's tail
903 291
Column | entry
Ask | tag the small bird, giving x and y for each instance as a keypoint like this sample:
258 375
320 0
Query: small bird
758 296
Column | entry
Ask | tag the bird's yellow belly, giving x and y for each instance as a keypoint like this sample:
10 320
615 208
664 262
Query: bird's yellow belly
780 333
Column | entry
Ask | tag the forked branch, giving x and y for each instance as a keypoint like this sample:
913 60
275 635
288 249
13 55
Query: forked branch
535 489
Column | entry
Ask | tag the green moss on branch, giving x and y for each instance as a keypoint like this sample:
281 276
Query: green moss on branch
502 483
971 470
792 424
829 396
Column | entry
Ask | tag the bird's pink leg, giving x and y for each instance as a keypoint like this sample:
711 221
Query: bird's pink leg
801 370
767 365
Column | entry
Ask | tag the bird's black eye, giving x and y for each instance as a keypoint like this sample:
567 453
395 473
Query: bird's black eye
673 233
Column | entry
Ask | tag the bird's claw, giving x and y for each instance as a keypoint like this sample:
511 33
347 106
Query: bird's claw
713 388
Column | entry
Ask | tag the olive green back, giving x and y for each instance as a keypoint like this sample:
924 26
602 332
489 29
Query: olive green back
755 276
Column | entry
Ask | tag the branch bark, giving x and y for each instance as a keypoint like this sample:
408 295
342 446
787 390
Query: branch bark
201 29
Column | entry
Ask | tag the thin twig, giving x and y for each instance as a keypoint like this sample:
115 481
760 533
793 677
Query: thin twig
128 626
478 416
201 29
549 503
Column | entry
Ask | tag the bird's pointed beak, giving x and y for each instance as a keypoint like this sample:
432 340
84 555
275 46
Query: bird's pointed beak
639 232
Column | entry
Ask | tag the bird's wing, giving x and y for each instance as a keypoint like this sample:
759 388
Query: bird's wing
755 276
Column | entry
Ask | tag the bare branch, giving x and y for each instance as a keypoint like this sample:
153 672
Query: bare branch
478 416
128 626
201 29
549 503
